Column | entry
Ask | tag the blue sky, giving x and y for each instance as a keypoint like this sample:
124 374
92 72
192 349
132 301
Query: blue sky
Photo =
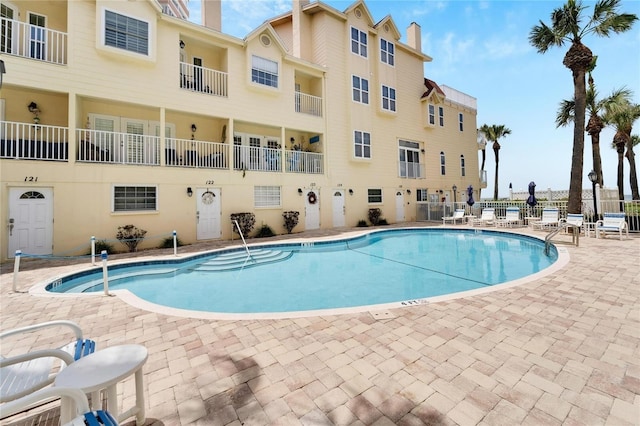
481 48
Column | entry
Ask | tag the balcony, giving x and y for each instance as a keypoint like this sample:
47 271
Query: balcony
263 159
33 42
96 146
203 80
411 170
308 104
28 141
196 154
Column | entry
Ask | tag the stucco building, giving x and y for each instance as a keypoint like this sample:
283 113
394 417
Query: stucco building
115 113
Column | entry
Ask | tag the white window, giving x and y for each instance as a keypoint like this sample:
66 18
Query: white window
442 163
134 198
266 196
462 168
461 121
126 33
358 42
360 90
264 71
409 155
441 116
362 144
387 52
37 37
374 195
432 115
388 98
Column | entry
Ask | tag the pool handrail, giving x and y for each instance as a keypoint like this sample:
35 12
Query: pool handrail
244 243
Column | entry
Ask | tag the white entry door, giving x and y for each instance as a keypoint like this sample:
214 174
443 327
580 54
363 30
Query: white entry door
399 206
30 221
338 208
208 213
312 209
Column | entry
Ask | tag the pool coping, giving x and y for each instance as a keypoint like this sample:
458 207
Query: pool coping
39 289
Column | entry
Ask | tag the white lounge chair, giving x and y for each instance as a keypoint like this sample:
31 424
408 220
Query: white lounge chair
550 219
512 218
83 415
612 222
457 214
573 220
487 218
25 373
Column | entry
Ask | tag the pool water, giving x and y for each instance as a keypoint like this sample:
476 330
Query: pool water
378 268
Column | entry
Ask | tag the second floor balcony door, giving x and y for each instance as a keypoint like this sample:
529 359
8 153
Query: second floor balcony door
37 37
6 31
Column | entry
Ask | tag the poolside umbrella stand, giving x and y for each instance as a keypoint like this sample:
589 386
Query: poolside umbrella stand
470 196
532 195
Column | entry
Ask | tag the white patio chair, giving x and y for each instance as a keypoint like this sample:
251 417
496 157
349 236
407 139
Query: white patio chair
487 218
550 219
512 218
25 373
457 214
573 220
612 222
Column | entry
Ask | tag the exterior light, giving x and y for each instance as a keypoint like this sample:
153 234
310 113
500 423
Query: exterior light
189 191
299 191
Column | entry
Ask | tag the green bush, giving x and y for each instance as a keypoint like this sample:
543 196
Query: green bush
290 220
382 222
264 232
362 223
168 243
130 236
246 222
104 245
374 216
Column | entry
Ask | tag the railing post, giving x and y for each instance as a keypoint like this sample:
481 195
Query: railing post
16 269
93 250
105 274
175 243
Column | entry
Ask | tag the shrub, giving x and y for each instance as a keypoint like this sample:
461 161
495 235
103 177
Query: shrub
290 220
383 222
168 243
130 236
246 222
362 223
104 245
374 216
264 232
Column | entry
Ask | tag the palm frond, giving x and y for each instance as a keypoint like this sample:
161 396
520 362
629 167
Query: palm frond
565 113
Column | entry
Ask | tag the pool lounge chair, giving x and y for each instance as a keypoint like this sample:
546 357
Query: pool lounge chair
550 219
512 218
487 218
25 373
573 220
457 214
612 222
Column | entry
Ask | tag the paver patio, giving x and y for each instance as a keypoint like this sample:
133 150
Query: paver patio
559 350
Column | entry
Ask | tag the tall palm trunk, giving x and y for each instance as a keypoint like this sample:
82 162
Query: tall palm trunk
484 158
619 141
496 151
594 127
633 177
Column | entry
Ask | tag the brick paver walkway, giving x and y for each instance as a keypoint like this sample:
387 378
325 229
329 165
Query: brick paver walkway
562 349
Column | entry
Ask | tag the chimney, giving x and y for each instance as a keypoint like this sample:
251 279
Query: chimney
212 14
414 37
298 25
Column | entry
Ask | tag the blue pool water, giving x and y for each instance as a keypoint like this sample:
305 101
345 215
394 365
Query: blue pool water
378 268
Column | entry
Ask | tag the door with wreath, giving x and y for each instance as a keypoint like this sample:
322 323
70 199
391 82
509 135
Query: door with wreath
312 209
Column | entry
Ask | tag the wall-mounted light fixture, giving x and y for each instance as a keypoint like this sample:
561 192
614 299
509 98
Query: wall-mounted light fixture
292 140
33 109
193 130
350 191
299 191
455 189
409 191
422 150
3 70
181 44
189 191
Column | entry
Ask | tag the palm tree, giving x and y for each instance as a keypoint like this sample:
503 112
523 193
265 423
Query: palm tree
493 133
565 28
622 115
596 108
482 141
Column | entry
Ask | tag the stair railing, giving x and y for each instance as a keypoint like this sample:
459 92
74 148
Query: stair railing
244 243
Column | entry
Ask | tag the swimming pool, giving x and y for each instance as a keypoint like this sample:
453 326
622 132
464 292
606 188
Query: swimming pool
398 267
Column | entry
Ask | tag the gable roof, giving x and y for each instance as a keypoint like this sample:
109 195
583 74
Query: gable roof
361 5
434 92
385 22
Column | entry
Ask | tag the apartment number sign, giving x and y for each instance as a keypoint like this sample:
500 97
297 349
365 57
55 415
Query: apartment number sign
31 178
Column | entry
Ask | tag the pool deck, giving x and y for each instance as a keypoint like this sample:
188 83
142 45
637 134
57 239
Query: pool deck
563 349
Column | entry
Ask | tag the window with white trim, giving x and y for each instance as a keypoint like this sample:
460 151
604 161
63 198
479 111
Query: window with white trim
442 163
125 32
360 90
432 114
135 198
421 195
461 121
462 167
264 71
388 98
358 42
387 52
362 144
441 116
409 157
37 36
266 196
374 195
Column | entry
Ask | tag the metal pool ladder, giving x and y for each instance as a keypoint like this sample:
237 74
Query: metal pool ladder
244 243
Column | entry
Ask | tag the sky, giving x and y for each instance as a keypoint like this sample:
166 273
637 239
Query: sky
481 48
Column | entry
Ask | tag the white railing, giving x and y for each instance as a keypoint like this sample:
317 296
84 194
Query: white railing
33 141
308 104
203 80
411 170
258 158
30 41
192 153
304 162
98 146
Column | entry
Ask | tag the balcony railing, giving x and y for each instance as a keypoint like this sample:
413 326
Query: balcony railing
257 158
308 104
33 141
304 162
411 170
30 41
203 80
96 146
200 154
